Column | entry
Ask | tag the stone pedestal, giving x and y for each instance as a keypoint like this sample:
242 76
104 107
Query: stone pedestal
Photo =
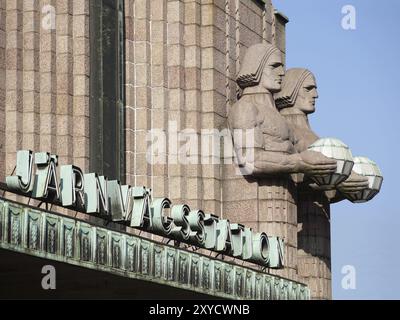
314 251
267 205
277 212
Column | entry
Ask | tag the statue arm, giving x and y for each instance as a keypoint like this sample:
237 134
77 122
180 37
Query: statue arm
269 162
272 163
336 197
355 183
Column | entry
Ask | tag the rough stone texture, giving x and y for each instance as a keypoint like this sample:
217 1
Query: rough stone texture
44 86
2 85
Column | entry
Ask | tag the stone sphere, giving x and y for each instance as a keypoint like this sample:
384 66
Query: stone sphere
337 150
369 169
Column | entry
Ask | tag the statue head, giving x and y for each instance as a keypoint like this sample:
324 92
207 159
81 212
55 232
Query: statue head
299 91
262 68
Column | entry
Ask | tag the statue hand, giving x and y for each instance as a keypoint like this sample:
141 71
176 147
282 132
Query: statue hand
316 164
353 184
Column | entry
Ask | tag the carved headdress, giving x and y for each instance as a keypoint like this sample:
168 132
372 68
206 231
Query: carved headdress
291 85
253 64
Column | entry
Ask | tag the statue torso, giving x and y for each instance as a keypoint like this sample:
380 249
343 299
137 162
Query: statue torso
262 115
302 132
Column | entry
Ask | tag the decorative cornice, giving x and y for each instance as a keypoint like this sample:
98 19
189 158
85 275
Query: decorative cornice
61 238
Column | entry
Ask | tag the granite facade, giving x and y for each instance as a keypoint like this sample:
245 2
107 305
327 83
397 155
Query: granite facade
181 59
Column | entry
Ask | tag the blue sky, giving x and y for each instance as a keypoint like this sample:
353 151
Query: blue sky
359 103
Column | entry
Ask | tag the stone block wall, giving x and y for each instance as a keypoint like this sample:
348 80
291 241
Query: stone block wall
44 80
181 60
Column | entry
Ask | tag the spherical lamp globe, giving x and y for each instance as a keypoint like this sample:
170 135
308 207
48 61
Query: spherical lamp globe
337 150
369 169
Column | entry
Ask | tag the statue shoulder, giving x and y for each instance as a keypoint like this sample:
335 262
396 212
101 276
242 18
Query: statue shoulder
243 114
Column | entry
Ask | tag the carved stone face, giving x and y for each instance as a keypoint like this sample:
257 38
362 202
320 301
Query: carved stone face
273 73
308 93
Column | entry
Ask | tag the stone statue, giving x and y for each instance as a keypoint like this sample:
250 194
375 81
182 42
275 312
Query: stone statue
267 162
274 151
296 101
